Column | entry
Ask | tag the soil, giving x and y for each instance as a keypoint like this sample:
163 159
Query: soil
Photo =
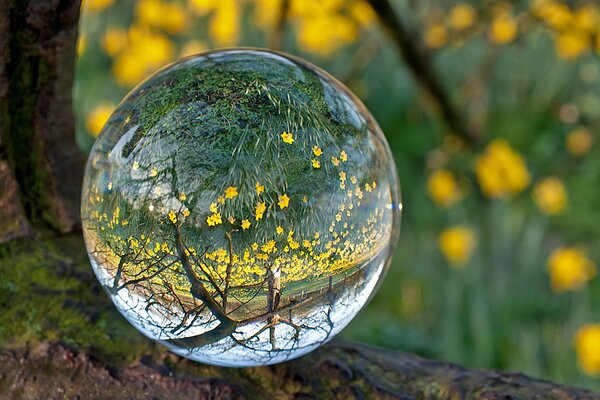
53 371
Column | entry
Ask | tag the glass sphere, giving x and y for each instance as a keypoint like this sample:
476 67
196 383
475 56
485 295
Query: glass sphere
240 207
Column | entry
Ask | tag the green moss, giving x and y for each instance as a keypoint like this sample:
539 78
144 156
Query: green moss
48 292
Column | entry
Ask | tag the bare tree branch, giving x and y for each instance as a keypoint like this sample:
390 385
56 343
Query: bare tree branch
419 63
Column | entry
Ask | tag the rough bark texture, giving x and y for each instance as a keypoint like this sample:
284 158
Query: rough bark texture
59 335
37 48
339 370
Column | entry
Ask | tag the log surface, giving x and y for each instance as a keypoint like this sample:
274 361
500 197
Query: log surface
61 337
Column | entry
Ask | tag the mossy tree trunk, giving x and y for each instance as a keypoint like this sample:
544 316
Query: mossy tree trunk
59 335
40 164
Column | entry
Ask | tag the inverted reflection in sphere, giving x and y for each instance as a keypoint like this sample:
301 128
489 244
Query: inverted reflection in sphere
240 207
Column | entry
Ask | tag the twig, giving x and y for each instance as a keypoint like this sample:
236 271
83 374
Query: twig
420 65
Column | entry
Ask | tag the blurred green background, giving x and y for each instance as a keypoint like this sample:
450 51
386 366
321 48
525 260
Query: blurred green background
495 267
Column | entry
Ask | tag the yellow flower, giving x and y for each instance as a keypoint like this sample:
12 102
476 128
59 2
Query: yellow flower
186 213
147 50
182 196
259 188
279 230
192 47
550 195
260 210
335 161
324 32
154 172
269 247
362 12
317 151
503 29
114 41
172 16
579 142
570 269
245 224
266 13
224 26
284 201
343 156
203 7
315 163
213 207
287 137
501 171
457 244
94 6
231 219
214 219
96 119
557 15
173 217
81 44
436 36
571 44
462 17
442 187
587 346
231 192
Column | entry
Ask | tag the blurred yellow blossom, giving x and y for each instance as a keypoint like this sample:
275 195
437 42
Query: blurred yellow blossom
436 36
503 28
572 28
96 119
266 13
501 171
361 12
192 47
94 6
556 14
443 188
203 7
224 25
587 346
579 141
462 17
114 41
570 269
81 44
550 195
323 34
169 16
147 51
457 244
571 45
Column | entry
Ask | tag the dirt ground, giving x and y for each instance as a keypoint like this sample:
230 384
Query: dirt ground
52 371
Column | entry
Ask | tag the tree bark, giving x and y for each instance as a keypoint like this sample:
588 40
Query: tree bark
59 335
40 164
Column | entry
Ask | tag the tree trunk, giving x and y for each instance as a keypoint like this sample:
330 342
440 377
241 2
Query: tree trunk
40 164
60 337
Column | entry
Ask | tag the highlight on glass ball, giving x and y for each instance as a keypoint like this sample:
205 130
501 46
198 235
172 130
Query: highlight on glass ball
240 207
